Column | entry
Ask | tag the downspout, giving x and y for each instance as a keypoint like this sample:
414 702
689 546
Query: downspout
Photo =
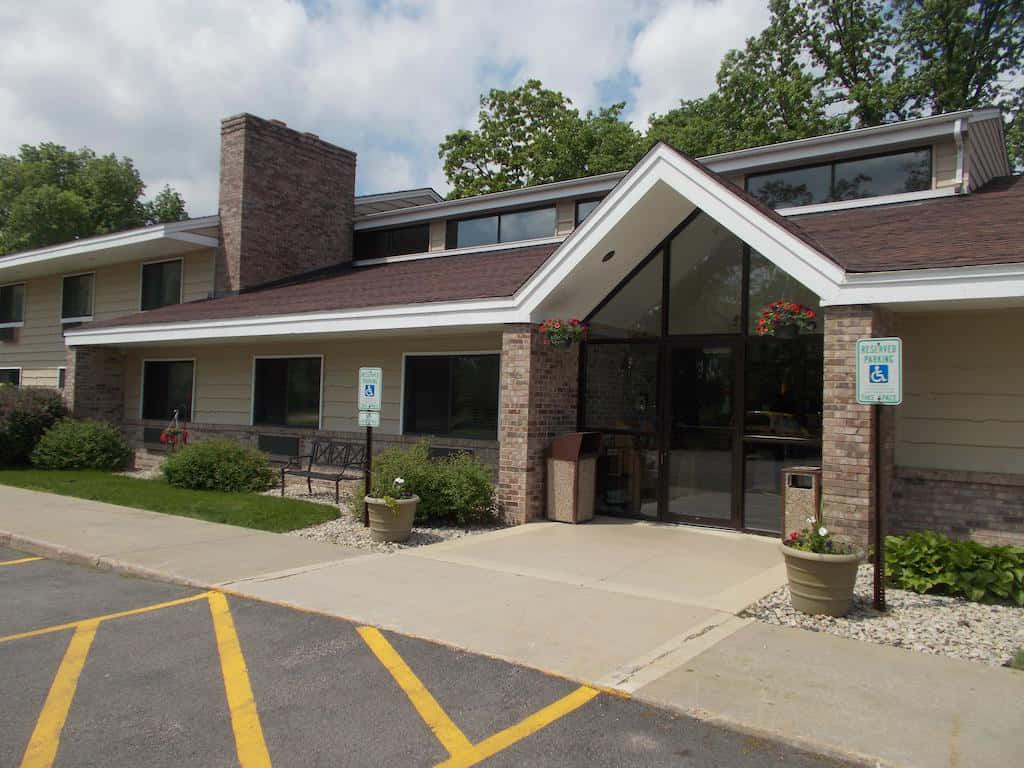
958 137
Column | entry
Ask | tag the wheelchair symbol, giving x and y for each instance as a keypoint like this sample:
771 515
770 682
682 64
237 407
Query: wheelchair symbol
368 390
878 374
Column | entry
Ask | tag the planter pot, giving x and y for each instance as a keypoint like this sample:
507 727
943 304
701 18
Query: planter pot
821 584
790 331
388 524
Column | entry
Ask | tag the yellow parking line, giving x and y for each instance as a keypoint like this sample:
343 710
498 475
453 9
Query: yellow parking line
20 560
506 738
118 615
451 738
245 720
42 747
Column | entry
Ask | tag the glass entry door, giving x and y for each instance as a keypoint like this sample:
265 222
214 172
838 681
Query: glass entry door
699 461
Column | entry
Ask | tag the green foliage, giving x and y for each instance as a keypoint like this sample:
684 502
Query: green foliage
1017 662
454 489
219 465
930 562
49 194
533 135
816 538
25 414
88 444
251 510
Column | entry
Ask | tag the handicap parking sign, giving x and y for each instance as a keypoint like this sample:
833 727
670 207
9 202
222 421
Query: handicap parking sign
879 364
369 389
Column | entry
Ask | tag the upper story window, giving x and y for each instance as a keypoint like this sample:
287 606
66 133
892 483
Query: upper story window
584 208
161 284
382 243
501 228
76 295
892 174
12 305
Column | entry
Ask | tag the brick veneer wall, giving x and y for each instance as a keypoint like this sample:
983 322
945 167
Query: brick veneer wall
286 203
94 383
848 474
539 392
986 507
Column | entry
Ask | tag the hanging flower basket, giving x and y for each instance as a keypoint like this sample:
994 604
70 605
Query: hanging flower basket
785 320
174 434
562 334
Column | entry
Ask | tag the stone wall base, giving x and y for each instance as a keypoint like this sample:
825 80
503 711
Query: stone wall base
986 507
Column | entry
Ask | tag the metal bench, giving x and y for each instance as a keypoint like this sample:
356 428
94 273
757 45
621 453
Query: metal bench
326 453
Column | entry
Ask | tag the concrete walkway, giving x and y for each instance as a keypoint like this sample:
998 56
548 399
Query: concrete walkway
646 609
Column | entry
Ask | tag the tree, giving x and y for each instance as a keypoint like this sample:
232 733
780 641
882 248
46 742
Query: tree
49 194
532 135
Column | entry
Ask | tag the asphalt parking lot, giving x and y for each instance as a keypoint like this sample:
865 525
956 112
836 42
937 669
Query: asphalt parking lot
98 669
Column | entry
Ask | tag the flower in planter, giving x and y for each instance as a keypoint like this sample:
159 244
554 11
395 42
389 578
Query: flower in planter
780 314
562 334
815 538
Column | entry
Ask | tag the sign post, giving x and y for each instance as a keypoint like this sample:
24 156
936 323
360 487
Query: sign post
369 399
879 382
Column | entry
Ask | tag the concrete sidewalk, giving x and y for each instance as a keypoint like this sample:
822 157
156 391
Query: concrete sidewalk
645 609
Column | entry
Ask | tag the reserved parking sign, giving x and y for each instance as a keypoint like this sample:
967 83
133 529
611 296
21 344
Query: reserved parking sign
880 371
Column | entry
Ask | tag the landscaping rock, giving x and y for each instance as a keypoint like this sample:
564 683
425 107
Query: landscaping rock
944 626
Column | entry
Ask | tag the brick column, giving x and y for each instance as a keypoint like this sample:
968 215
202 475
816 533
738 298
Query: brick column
94 383
848 471
539 389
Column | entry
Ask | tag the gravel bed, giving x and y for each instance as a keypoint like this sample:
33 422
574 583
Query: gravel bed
348 531
944 626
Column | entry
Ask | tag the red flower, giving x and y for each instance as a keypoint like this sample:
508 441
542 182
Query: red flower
543 328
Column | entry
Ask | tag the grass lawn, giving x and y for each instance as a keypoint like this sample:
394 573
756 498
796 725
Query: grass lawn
251 510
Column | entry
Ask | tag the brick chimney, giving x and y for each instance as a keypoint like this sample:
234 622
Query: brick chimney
286 203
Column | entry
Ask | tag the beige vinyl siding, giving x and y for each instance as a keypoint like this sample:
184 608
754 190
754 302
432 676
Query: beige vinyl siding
223 374
438 233
986 152
944 164
40 342
737 179
565 217
40 377
963 405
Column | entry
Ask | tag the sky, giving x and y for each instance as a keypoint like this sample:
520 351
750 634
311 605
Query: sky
151 79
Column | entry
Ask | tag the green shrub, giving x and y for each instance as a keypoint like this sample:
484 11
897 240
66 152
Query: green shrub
1017 662
457 489
86 444
930 562
25 414
219 465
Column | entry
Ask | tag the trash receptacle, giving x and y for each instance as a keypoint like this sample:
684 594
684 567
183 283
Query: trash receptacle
572 476
801 497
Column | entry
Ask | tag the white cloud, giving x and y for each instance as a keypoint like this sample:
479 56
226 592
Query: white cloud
152 78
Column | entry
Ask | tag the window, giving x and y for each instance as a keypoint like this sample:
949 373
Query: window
12 305
584 208
502 228
166 388
161 284
62 378
909 171
453 395
10 376
392 242
76 298
634 311
705 279
286 391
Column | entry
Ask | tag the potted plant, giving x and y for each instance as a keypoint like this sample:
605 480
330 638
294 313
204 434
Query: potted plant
560 334
821 571
174 434
392 511
785 320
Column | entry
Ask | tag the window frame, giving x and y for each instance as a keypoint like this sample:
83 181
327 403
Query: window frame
142 383
390 254
831 165
460 353
451 225
17 368
252 391
92 299
62 377
576 208
24 301
181 285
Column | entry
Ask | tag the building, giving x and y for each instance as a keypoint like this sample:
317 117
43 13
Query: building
253 323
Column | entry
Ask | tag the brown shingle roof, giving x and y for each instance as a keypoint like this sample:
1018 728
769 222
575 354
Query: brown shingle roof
960 231
483 275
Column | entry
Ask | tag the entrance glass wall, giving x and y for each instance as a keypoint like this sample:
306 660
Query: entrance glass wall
700 411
